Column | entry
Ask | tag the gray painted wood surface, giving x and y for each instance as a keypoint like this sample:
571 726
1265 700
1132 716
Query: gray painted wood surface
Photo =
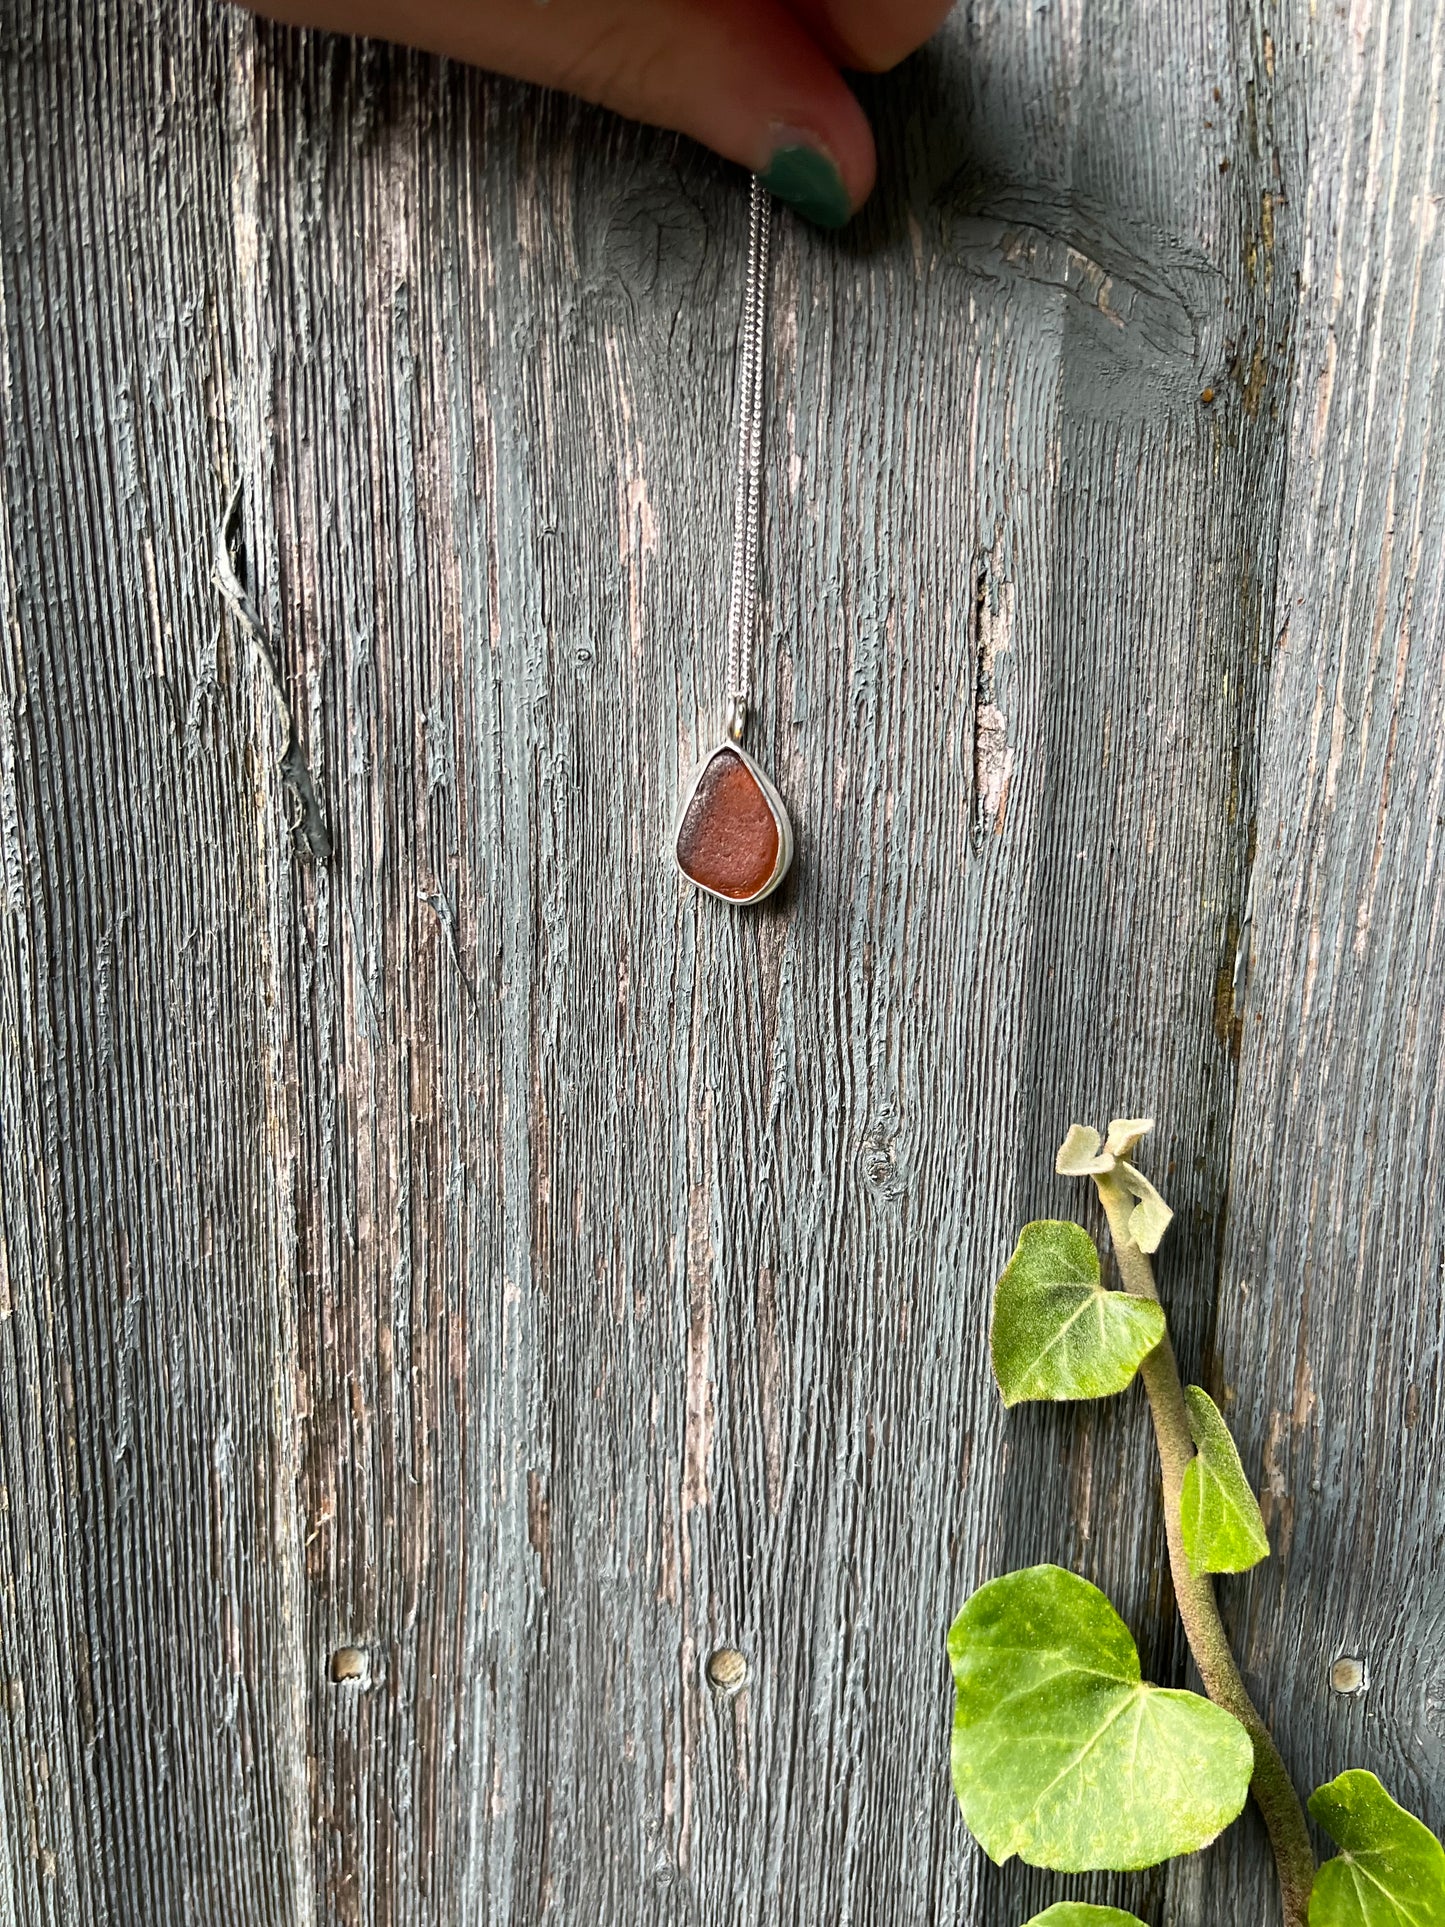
458 1257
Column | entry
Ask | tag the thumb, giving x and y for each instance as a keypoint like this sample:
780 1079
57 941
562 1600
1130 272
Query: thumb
741 76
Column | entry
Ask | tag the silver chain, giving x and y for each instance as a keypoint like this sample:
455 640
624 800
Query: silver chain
743 601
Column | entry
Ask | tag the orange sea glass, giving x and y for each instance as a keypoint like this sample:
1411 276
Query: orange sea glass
728 839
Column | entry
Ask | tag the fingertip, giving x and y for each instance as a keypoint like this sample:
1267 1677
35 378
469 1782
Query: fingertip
746 78
825 177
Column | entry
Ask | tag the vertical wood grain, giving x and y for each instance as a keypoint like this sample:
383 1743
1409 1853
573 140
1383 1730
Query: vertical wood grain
152 1741
1330 1309
451 1285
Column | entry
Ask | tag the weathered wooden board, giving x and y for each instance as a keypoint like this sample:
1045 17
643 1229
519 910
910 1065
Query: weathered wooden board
463 1262
1331 1323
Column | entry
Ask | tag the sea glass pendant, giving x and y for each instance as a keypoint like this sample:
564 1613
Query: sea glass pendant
734 839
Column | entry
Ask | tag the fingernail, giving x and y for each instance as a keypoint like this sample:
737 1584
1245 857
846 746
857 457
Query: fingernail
806 179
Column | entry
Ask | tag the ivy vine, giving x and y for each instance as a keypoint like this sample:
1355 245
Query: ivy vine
1062 1753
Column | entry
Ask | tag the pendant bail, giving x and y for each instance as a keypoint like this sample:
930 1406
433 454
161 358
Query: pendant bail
737 718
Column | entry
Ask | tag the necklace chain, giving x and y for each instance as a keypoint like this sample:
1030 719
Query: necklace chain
742 603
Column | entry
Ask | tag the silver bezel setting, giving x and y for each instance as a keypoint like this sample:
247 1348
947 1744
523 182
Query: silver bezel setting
775 804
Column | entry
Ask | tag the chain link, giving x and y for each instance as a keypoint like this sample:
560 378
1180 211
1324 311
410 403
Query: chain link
742 602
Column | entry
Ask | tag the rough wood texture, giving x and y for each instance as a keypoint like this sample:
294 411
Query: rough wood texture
452 1283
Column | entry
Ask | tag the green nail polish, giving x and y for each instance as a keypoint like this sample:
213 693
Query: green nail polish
808 181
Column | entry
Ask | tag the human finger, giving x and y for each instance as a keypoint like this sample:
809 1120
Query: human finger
869 35
745 77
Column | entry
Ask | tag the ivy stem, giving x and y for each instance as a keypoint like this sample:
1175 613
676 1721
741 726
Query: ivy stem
1271 1785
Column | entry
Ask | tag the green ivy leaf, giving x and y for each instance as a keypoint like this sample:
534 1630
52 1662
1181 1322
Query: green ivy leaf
1061 1754
1219 1514
1390 1870
1056 1332
1077 1913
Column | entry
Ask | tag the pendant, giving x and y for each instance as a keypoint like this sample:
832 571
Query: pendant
733 838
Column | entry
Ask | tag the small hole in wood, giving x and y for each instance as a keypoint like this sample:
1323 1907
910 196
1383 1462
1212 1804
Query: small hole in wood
350 1666
1347 1675
727 1671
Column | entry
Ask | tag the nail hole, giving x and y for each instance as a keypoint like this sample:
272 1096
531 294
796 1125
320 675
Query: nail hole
1347 1675
727 1671
350 1666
